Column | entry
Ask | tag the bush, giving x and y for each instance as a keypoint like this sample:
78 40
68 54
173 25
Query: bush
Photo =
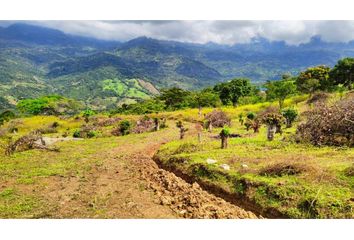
77 134
55 125
329 125
251 115
87 113
273 119
225 132
122 129
48 105
218 118
92 134
290 115
6 116
85 132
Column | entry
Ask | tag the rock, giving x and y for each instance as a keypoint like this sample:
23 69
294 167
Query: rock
183 212
165 200
211 161
195 185
225 167
244 165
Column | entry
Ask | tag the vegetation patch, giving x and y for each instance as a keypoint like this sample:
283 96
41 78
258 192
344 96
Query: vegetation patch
281 169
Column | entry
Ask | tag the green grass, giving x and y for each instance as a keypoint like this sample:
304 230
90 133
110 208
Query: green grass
322 189
32 169
129 88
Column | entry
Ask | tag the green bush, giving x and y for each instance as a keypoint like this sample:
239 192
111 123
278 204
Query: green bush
92 134
251 115
290 115
48 105
77 134
124 127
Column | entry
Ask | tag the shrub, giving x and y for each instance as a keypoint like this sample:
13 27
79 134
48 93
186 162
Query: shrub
55 125
251 115
240 118
329 125
224 135
6 116
77 134
122 129
85 132
48 105
87 113
290 115
92 134
273 119
217 118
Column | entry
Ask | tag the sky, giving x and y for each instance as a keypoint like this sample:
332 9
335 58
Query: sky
221 32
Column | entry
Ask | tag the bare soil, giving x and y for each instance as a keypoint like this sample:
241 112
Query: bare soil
129 184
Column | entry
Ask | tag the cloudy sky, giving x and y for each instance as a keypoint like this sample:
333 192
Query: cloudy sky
222 32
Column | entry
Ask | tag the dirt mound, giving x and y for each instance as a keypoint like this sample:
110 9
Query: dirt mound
188 200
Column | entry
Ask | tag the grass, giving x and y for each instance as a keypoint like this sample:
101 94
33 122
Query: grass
298 180
26 174
319 180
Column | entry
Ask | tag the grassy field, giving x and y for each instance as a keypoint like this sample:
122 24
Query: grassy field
300 181
295 180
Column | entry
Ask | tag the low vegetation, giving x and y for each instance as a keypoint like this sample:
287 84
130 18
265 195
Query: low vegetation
287 151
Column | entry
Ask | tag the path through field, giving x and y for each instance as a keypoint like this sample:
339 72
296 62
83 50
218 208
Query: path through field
127 183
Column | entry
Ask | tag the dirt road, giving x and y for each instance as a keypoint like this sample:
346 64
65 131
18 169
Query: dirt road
129 184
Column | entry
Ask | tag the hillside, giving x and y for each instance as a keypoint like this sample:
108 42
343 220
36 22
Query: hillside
149 173
36 61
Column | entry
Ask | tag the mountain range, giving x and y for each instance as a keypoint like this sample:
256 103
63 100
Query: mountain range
36 61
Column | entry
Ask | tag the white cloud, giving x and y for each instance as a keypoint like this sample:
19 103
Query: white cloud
223 32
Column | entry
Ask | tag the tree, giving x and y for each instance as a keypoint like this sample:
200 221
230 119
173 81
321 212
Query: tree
48 105
343 73
313 79
124 127
280 90
290 114
233 90
182 129
205 98
272 120
175 98
224 135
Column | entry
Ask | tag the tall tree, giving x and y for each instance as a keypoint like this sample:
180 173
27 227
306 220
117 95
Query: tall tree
205 98
313 79
280 90
175 98
343 72
233 90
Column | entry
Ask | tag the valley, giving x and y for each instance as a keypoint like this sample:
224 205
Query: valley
52 62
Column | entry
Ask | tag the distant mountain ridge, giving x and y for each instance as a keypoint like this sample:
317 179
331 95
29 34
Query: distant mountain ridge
37 60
